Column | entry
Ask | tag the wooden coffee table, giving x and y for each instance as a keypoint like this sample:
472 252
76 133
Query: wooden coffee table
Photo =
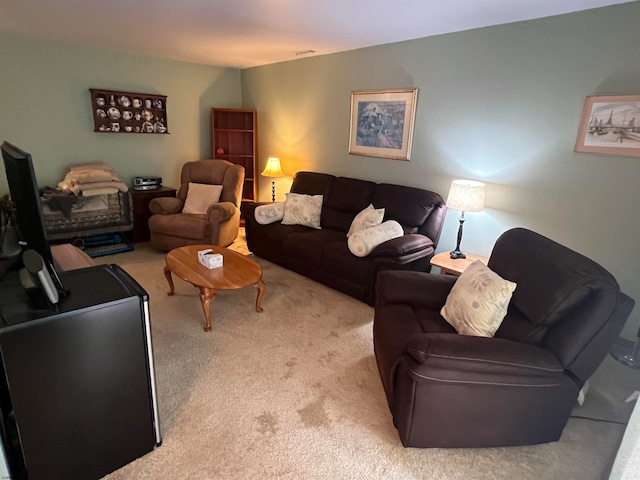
237 271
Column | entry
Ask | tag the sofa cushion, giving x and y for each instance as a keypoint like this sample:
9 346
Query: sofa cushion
300 209
408 206
348 197
339 261
369 217
306 246
312 183
478 301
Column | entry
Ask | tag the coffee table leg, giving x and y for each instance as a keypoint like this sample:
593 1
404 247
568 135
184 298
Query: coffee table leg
261 289
167 274
207 295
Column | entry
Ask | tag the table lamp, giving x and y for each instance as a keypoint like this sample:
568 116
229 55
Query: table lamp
466 196
274 171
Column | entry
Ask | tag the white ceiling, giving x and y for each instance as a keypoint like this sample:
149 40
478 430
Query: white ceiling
247 33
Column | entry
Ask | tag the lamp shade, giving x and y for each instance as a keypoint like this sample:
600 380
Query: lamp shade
273 168
466 196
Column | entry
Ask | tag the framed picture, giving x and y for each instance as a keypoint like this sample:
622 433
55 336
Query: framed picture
382 123
610 125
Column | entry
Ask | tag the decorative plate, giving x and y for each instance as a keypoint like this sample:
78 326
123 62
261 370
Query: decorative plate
114 113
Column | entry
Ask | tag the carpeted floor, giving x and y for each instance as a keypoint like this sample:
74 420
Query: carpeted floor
294 393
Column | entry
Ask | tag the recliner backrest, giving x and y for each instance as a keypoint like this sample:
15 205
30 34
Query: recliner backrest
569 301
214 172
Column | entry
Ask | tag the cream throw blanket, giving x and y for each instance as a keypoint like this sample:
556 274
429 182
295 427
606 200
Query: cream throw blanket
364 241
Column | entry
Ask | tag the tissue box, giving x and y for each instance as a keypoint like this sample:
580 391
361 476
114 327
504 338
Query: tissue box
210 259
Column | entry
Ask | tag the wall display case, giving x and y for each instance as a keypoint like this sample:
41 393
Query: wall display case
128 112
234 136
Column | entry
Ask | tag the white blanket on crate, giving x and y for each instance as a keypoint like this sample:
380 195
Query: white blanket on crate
92 179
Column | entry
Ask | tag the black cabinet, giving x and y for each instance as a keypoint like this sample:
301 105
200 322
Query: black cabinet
77 397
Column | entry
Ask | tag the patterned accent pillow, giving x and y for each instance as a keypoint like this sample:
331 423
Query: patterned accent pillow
200 196
266 214
300 209
369 217
478 301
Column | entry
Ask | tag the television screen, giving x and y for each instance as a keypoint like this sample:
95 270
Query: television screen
23 188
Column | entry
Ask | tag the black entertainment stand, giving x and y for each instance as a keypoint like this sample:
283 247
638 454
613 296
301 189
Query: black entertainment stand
77 394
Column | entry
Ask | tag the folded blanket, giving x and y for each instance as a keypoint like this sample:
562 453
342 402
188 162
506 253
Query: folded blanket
364 241
91 166
273 212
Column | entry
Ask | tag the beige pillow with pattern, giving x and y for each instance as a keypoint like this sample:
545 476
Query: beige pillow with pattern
478 301
301 209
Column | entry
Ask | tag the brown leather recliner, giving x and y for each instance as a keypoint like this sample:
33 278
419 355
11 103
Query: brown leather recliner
170 228
517 388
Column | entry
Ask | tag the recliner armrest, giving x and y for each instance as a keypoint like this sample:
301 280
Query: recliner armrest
418 289
404 245
453 357
219 212
165 205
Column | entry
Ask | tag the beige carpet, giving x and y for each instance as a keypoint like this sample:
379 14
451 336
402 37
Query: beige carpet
293 393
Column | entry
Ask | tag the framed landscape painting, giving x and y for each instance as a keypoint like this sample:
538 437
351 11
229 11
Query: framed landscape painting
610 125
382 122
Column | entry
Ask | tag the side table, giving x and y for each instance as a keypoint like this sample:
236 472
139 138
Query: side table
454 266
140 203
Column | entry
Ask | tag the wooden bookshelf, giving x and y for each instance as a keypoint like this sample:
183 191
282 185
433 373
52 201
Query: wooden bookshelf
234 138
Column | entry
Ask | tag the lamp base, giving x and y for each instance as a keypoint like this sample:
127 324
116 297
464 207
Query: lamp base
626 354
457 254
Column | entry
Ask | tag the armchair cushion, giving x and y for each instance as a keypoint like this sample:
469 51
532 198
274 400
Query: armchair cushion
478 301
165 205
200 196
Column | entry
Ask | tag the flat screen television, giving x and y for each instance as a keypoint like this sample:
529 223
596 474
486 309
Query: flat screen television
25 195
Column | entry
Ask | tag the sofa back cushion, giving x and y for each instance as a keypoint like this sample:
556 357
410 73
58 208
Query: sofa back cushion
416 210
409 206
348 197
312 183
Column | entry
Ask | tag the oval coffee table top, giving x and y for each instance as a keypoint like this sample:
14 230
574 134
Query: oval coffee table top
237 271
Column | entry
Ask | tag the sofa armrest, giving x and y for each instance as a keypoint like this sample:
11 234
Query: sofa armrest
453 357
220 212
418 289
165 205
405 245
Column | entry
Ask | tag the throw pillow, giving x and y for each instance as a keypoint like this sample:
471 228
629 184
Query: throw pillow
200 196
478 301
369 217
364 241
266 214
301 209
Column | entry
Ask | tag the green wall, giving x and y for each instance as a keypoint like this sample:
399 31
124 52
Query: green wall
45 108
500 105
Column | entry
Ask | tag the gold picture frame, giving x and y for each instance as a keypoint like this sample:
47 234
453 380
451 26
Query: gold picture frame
610 125
382 123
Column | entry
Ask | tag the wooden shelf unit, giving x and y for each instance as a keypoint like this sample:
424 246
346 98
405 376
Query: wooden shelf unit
234 134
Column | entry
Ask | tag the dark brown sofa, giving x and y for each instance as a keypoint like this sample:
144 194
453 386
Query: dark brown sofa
517 388
324 256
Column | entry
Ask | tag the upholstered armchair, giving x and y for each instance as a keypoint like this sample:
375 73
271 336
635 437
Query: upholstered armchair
206 209
517 387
